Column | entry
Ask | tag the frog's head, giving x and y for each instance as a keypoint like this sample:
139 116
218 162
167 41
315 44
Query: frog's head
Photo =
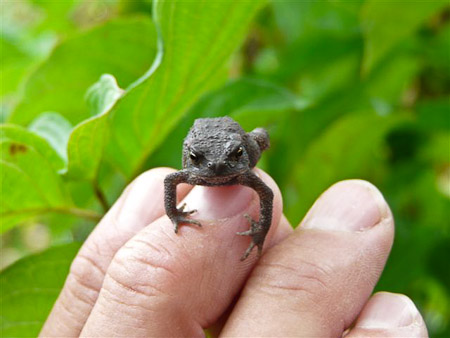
216 148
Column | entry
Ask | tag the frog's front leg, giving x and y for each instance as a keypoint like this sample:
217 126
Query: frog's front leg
258 229
176 215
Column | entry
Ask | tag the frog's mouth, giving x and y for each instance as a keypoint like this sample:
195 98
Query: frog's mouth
214 178
218 179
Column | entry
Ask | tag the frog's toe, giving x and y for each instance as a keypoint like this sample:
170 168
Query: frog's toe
247 252
245 233
250 219
183 220
255 228
250 248
257 234
181 210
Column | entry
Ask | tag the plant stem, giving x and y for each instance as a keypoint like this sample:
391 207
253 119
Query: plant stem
83 213
100 197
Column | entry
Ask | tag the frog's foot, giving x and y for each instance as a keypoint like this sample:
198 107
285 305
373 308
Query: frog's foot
180 218
258 234
182 212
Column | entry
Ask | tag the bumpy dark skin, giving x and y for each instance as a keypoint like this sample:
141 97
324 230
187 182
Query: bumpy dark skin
216 152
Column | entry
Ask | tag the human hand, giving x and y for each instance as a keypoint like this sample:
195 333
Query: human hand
135 277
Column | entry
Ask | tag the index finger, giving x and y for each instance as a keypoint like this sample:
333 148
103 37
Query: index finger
140 204
167 284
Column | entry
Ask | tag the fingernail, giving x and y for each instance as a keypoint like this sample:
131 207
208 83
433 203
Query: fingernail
388 310
219 202
352 205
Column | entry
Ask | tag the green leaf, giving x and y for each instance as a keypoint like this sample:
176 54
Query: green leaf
88 139
123 47
198 38
21 135
103 94
299 19
136 6
350 148
385 24
437 51
14 65
316 83
30 287
387 84
434 114
57 14
252 102
311 55
22 25
304 128
55 129
437 153
29 182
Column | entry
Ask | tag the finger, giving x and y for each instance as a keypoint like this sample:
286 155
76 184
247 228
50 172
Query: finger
316 281
283 231
389 315
167 284
140 204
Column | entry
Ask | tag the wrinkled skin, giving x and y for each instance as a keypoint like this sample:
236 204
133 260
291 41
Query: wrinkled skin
217 152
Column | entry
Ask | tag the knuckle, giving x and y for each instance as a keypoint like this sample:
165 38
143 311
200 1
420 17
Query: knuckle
304 280
85 277
141 269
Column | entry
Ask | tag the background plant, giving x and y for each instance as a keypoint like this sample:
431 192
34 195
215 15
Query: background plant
94 93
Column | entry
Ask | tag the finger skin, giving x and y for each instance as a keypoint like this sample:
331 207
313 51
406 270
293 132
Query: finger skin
140 204
167 284
315 282
283 231
389 315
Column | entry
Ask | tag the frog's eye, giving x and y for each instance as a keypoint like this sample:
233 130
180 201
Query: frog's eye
236 153
193 156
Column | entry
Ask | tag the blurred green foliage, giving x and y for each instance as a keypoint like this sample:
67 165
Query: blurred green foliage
347 89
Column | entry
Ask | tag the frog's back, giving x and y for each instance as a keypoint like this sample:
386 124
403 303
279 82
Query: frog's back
215 126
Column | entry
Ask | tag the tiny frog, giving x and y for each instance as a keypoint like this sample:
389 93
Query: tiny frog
216 152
